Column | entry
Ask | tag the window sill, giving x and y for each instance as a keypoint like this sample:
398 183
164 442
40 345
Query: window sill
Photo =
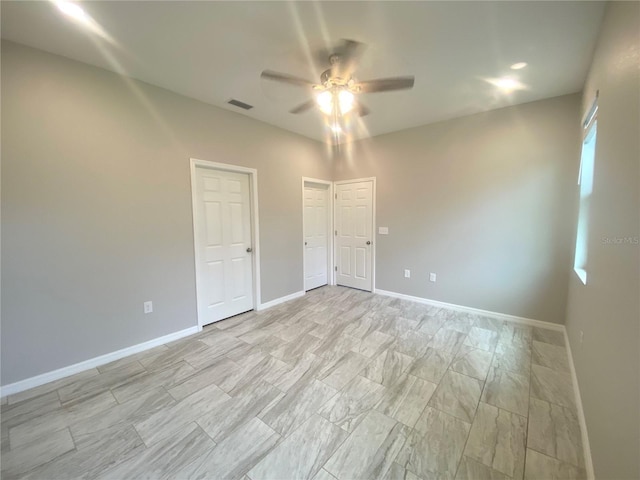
582 275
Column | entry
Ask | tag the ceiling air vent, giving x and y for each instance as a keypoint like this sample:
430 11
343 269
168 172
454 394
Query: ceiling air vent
238 103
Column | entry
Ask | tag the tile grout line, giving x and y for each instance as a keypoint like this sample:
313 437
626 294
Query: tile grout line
464 448
558 459
335 450
526 438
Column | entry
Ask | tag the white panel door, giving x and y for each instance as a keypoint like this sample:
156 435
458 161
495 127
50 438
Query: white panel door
316 240
223 231
354 227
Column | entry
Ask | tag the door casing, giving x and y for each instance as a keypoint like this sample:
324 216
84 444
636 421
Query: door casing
255 233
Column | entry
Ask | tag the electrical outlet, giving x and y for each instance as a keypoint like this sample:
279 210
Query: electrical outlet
432 277
148 307
407 273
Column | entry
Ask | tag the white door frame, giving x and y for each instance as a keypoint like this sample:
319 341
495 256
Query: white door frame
330 268
255 232
373 228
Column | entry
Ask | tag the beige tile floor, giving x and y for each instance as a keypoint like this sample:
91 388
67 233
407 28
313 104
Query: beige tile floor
339 384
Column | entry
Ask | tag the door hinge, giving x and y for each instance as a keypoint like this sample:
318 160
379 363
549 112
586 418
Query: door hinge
336 233
335 269
335 196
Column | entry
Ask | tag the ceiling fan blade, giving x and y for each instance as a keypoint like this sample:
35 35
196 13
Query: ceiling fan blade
303 107
286 78
384 85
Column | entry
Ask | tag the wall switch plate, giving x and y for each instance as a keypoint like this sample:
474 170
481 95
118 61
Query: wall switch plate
383 230
432 277
407 273
148 307
581 337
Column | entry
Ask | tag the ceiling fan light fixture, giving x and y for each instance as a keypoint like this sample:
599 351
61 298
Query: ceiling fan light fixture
345 100
325 102
335 95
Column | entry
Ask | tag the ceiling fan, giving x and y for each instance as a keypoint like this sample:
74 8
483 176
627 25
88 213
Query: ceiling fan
335 95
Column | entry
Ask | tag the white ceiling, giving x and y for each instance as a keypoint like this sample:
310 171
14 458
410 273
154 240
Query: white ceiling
215 51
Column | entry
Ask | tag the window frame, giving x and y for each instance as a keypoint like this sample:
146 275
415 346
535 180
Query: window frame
589 135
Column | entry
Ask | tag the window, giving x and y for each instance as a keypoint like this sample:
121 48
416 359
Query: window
585 180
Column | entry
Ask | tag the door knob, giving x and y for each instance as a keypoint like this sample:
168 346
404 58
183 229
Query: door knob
368 242
305 243
249 250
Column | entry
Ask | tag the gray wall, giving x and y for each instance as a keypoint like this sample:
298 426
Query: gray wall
607 309
96 207
483 201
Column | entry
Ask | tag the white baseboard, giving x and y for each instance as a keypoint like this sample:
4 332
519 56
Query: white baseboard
586 447
38 380
460 308
278 301
92 362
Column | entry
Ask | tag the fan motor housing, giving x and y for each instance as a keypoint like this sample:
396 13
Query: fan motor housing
329 80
